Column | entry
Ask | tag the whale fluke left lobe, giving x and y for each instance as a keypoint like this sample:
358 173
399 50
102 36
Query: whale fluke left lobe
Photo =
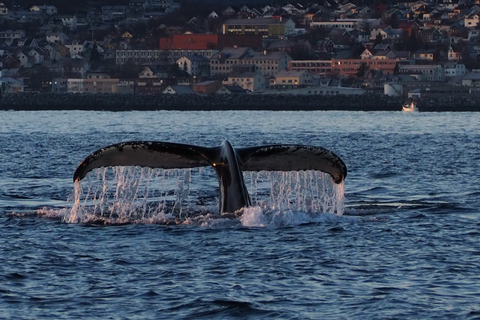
146 154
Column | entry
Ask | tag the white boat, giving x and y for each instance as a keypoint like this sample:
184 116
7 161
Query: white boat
410 106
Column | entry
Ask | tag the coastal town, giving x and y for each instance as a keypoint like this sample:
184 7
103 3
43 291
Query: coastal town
408 49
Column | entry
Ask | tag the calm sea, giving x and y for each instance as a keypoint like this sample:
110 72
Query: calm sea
404 243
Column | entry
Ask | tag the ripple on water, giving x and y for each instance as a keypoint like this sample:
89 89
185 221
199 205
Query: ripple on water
406 247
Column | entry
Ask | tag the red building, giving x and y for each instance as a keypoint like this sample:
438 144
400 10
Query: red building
209 41
189 42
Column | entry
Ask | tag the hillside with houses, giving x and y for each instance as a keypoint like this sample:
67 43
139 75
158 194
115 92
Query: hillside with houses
416 49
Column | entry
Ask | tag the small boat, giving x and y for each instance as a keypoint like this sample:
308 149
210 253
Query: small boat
410 106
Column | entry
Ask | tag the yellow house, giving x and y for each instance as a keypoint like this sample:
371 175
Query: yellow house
293 79
62 50
127 35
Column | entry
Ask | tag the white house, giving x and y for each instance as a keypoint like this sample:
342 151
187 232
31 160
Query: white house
38 55
212 15
56 37
26 61
3 9
375 32
294 9
75 48
69 22
151 72
473 34
453 69
366 54
453 55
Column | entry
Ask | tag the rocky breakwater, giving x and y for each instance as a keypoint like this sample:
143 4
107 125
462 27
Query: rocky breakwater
450 103
121 102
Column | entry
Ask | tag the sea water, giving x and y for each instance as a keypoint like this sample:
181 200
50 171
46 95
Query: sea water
398 240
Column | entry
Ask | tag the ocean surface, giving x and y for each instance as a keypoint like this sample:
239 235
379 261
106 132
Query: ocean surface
400 239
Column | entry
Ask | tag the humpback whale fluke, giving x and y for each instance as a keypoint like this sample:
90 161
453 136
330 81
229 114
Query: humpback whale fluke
228 162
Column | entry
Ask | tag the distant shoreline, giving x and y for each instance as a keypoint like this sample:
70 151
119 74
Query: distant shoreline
279 102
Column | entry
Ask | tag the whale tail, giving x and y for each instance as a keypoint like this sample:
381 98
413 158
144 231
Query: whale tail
228 162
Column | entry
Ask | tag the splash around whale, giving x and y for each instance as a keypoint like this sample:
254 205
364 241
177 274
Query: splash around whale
228 162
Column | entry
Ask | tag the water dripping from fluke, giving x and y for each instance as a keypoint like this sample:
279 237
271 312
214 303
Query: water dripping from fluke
139 195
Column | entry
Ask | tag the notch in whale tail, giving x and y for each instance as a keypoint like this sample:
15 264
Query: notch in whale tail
228 162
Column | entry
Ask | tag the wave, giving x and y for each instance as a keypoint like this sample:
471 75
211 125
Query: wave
392 206
221 309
